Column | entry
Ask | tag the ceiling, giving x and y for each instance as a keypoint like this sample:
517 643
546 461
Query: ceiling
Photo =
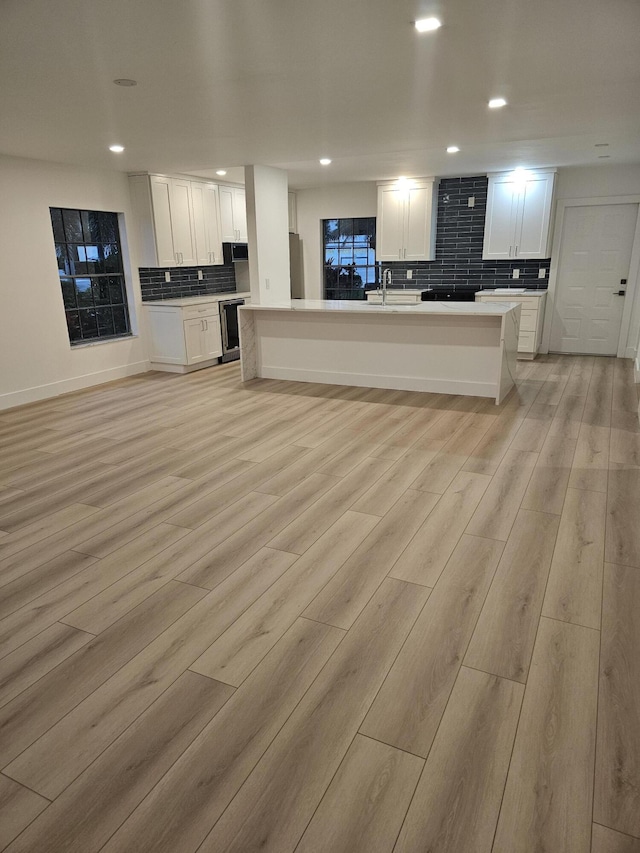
224 83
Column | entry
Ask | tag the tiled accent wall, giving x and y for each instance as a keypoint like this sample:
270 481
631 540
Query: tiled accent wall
459 237
184 281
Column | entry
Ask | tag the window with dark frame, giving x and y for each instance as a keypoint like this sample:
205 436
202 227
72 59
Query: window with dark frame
349 257
91 274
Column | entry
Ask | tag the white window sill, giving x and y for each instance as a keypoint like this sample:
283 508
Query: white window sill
99 342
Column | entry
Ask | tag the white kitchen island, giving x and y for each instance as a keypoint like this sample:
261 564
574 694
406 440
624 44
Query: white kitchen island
465 348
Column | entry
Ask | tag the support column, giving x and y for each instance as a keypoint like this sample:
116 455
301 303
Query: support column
268 232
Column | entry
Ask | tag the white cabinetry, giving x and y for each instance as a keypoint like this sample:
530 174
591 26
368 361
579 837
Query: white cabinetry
517 223
184 338
178 221
233 214
206 220
406 221
531 318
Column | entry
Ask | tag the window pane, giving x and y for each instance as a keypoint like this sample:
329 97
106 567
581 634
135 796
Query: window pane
120 319
111 257
91 226
77 259
92 255
72 226
83 292
105 321
63 261
73 326
101 293
346 256
330 256
109 227
68 292
331 232
116 290
56 221
88 323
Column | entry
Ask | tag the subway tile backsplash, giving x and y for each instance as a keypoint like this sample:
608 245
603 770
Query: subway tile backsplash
185 282
459 238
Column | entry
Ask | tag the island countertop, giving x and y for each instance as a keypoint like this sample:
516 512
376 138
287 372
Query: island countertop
465 348
449 308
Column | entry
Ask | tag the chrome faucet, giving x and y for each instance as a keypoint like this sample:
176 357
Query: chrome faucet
386 281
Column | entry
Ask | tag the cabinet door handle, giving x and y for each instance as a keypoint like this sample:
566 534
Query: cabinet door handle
510 247
515 254
206 325
405 253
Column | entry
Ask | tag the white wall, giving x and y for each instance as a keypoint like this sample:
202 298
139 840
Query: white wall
36 359
331 202
598 182
268 231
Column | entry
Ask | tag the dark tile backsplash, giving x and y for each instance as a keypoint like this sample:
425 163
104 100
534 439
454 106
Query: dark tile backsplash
184 281
459 237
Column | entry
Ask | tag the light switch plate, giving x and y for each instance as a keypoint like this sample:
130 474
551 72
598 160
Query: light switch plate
199 275
516 273
167 276
471 201
409 273
542 273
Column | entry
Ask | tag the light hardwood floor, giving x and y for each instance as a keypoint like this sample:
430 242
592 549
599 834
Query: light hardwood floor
294 617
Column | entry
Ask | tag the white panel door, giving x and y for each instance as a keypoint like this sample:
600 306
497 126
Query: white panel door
212 336
195 340
534 212
161 200
417 224
500 221
594 256
390 237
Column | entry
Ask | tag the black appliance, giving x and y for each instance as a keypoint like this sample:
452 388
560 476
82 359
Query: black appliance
441 294
232 252
230 329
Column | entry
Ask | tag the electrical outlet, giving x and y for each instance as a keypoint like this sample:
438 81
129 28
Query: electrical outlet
267 284
516 273
471 201
167 276
200 275
542 273
409 273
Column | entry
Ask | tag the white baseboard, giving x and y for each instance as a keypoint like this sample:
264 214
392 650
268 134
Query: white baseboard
64 386
397 383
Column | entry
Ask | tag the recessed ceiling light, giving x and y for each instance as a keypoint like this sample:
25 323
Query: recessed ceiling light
124 81
452 149
425 25
604 156
601 145
496 103
221 172
117 149
324 161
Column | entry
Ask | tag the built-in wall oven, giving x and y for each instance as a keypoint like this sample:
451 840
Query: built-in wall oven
230 328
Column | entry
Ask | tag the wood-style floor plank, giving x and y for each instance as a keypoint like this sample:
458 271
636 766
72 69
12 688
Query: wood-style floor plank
574 590
606 840
502 642
457 802
363 808
548 796
623 503
548 484
18 807
499 505
182 808
591 460
87 813
242 646
617 793
274 806
408 708
426 555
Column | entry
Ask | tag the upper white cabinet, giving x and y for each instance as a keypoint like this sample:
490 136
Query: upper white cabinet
406 221
233 215
517 223
206 221
178 221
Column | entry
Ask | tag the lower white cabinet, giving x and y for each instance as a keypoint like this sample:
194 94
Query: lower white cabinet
184 338
531 318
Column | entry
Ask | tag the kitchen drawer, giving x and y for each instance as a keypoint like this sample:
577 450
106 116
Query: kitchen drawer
526 341
528 320
193 312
